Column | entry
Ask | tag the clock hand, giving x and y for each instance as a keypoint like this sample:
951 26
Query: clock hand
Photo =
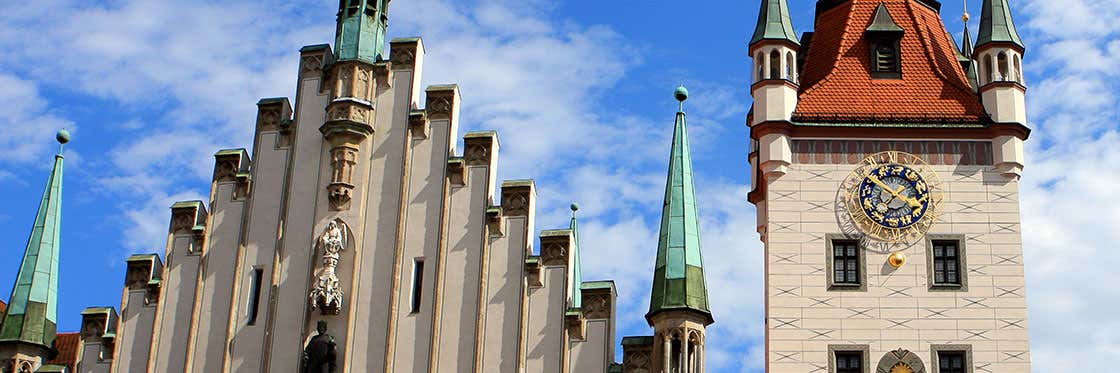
913 202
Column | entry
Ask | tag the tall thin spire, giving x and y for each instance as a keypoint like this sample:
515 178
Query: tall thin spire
996 24
576 285
774 23
360 33
678 282
32 314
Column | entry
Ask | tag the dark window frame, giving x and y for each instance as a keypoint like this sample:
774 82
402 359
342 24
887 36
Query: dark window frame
935 356
830 258
863 350
896 46
931 263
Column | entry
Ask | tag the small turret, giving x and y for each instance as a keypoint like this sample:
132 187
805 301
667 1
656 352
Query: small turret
999 53
360 33
774 49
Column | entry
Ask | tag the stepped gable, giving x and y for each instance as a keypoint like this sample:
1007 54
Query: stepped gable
836 85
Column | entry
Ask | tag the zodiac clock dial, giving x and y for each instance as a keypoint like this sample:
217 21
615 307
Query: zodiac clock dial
891 196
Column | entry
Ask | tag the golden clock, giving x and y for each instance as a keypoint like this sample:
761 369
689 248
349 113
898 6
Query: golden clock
893 196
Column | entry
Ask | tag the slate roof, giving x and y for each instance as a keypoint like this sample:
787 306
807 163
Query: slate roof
836 82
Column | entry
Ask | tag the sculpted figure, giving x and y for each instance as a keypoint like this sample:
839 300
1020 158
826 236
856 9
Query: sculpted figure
319 356
327 292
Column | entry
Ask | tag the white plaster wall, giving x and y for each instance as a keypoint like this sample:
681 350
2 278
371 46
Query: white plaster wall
898 310
593 354
90 361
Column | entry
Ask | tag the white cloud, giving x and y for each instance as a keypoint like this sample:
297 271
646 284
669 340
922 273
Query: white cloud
26 124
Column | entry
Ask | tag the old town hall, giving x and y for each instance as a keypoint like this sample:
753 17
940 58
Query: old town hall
361 233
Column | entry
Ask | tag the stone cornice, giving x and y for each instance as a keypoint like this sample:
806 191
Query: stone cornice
886 131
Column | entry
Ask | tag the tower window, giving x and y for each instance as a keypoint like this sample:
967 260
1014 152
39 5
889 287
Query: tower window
759 68
255 294
417 284
885 60
946 263
849 362
1003 67
951 362
845 264
791 67
775 65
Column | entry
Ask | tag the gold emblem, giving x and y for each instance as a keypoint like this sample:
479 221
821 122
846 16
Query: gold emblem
893 197
901 368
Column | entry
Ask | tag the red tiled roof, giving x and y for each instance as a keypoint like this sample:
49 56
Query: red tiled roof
67 345
836 79
3 307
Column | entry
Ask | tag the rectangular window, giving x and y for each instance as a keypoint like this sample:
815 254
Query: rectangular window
417 284
946 263
951 362
845 263
849 362
255 294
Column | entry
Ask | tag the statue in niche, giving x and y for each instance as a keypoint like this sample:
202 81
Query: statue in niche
327 293
319 356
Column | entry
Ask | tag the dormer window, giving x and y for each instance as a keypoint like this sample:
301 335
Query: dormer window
884 37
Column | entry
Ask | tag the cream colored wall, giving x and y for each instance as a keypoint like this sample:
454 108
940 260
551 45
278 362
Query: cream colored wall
91 361
461 277
545 333
262 223
220 257
504 288
897 310
175 307
287 314
134 333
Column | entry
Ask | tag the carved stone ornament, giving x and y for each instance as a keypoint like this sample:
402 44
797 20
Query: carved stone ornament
478 153
152 297
554 252
418 126
226 169
597 306
515 203
575 326
402 55
900 361
268 119
326 295
343 159
494 221
439 107
92 329
456 173
137 276
311 64
636 362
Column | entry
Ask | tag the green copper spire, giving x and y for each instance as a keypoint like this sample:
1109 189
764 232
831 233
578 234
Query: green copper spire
576 285
678 279
883 21
996 25
32 314
360 34
774 23
965 58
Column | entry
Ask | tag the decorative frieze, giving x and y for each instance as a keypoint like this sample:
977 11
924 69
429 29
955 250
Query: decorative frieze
597 305
968 153
312 60
554 247
327 295
343 159
480 147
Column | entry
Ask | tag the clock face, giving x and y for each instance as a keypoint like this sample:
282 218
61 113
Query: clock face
892 196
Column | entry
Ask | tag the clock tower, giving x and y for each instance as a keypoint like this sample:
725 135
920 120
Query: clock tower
885 167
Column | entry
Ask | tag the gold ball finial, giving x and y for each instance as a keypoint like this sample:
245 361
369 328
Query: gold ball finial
897 259
966 17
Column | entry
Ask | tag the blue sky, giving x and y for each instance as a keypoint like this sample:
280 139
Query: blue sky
580 92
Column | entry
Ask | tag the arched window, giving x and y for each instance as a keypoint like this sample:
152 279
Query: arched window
1018 69
791 67
775 65
760 69
987 69
1004 66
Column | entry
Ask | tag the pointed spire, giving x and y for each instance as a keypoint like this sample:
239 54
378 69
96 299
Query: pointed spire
576 285
678 282
360 32
774 23
966 47
996 24
32 314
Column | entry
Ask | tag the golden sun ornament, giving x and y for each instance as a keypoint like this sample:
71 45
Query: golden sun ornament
893 197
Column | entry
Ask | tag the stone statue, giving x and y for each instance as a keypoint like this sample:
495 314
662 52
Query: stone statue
327 292
319 356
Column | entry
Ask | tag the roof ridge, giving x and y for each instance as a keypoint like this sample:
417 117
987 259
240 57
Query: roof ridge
835 61
929 48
